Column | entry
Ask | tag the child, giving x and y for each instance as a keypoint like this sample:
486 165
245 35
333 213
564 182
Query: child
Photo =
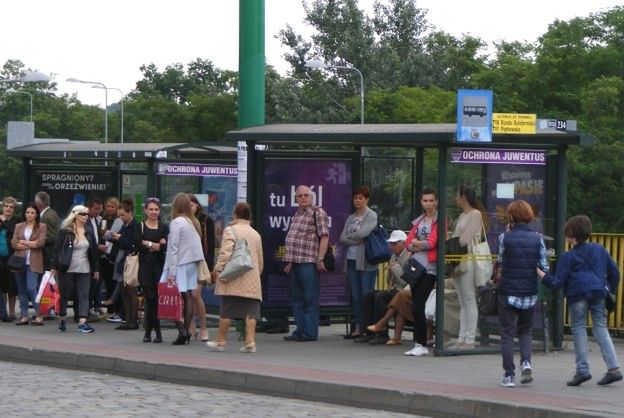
586 273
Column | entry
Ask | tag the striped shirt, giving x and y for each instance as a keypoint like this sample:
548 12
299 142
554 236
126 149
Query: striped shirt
302 240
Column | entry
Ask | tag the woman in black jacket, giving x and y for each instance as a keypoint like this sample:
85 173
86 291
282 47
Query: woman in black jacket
77 262
152 245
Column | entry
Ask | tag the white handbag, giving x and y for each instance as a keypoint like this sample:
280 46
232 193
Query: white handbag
239 262
482 259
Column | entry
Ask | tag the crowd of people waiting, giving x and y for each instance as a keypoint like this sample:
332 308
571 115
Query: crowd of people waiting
102 235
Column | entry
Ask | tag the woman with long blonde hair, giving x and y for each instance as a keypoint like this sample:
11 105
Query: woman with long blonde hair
83 267
184 252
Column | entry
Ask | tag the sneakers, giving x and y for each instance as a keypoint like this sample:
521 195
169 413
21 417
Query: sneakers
115 318
610 377
85 328
578 379
62 326
526 376
508 382
418 350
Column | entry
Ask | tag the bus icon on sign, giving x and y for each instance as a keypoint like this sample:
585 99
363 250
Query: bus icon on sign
480 111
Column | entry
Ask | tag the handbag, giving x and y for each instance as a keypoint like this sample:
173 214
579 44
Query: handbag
376 248
482 258
329 261
169 302
412 272
131 270
454 248
239 262
16 262
65 253
487 302
203 272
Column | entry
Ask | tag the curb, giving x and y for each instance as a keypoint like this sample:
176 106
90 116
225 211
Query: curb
334 393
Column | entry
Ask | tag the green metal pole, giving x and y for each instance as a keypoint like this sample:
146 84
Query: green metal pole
251 63
251 86
442 208
562 208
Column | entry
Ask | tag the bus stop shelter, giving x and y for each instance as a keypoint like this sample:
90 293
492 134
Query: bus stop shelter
396 161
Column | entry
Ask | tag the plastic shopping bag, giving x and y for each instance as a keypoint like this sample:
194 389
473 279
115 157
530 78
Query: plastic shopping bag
169 302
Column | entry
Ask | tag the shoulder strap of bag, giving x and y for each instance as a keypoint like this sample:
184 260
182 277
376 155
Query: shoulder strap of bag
315 222
602 279
234 233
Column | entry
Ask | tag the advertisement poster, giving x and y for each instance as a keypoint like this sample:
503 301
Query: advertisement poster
507 182
68 188
330 182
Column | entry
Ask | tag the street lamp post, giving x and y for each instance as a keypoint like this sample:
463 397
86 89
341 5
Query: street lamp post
13 91
315 63
97 83
122 107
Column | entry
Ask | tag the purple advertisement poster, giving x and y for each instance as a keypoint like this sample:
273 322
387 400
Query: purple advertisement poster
330 182
508 182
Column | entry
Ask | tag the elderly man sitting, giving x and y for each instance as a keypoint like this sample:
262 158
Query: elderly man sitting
375 303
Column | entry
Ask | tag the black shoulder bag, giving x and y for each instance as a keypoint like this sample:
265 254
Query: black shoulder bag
329 260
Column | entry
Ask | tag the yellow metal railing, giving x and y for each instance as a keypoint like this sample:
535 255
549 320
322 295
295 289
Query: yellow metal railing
613 243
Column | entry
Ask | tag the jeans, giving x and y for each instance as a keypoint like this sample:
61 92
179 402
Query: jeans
81 282
467 296
512 320
578 317
305 285
420 293
27 282
362 282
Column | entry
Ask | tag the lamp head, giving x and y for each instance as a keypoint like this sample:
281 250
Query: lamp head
35 76
315 63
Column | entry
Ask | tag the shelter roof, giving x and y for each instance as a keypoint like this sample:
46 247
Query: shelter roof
429 134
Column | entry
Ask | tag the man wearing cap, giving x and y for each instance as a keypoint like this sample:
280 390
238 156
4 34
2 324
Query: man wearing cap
375 303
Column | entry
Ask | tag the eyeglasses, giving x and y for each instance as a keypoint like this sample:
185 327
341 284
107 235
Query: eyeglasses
303 195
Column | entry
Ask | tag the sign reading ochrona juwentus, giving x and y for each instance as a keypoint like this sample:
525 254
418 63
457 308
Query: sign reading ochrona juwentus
514 123
497 156
192 169
474 115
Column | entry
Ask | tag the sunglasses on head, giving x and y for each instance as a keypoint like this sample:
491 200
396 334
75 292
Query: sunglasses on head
152 200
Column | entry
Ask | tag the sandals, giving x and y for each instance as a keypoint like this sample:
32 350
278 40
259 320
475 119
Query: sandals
374 328
37 321
248 348
393 341
23 321
216 345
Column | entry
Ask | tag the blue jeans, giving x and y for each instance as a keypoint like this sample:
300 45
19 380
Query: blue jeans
578 317
27 282
362 282
306 288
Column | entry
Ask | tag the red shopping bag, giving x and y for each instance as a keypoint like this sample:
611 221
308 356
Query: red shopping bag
169 302
50 299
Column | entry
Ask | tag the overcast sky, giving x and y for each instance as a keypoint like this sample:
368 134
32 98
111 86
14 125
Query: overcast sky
107 41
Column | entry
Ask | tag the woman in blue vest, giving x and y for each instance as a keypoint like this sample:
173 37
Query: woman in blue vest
520 252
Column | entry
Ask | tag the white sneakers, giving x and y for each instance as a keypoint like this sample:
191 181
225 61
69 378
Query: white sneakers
508 382
418 350
526 376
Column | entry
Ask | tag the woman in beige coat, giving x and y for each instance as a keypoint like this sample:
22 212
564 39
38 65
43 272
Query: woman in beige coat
241 295
28 241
